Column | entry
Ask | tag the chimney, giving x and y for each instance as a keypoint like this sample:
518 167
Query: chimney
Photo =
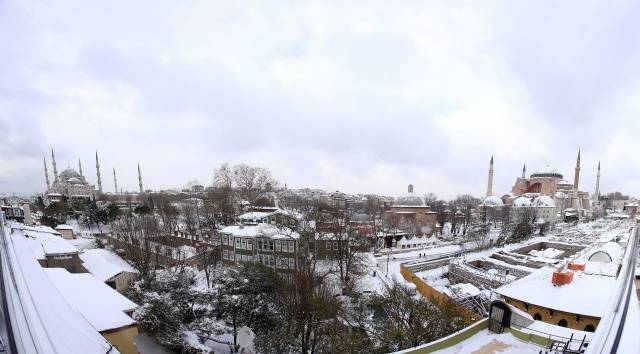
562 277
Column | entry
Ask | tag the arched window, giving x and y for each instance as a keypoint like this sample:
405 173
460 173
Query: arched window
537 317
589 328
562 323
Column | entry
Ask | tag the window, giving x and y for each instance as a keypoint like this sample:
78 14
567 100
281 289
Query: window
237 242
244 244
335 245
589 328
244 257
270 245
292 263
537 317
292 246
225 254
562 323
238 257
278 246
224 239
250 245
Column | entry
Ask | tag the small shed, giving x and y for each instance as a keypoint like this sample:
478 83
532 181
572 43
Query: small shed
66 231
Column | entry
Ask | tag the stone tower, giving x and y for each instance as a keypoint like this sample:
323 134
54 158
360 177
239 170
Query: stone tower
80 167
46 173
115 181
490 180
98 173
576 181
55 168
596 195
140 179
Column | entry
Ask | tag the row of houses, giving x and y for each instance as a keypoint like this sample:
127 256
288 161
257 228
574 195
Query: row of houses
90 281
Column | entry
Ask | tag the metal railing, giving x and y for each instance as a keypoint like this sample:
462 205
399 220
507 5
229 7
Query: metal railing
7 339
611 327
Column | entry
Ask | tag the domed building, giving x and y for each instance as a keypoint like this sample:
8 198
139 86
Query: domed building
492 201
550 182
410 213
70 184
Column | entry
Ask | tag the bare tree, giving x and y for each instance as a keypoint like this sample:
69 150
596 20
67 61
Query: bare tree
168 214
135 234
347 257
190 216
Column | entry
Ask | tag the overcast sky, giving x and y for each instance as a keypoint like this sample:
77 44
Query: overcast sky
347 95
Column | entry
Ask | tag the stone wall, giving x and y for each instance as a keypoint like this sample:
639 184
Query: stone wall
570 250
465 274
519 273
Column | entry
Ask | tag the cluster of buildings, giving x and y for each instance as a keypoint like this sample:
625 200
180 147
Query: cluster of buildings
552 293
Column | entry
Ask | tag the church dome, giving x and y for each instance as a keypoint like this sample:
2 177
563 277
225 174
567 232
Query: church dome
544 201
522 202
492 201
547 173
409 199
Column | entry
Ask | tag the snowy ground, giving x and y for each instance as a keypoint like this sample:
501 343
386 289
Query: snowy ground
487 342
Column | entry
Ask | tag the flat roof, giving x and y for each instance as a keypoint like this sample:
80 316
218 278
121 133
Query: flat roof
587 294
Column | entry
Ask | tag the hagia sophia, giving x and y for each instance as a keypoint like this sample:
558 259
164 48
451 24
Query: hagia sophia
547 192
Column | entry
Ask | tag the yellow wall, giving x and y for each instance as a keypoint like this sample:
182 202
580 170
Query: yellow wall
429 292
123 339
572 319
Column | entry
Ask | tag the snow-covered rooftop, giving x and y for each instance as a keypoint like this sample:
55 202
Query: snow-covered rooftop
44 240
104 264
262 229
47 322
101 305
537 289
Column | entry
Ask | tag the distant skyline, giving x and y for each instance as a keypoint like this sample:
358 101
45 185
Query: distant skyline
331 95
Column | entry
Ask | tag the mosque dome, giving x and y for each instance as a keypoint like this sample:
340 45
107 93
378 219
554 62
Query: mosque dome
409 199
492 201
74 180
522 202
69 173
544 201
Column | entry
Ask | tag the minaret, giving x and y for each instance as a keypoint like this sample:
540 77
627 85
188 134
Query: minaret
524 171
98 172
139 178
55 169
115 181
490 180
80 167
576 181
46 173
596 195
